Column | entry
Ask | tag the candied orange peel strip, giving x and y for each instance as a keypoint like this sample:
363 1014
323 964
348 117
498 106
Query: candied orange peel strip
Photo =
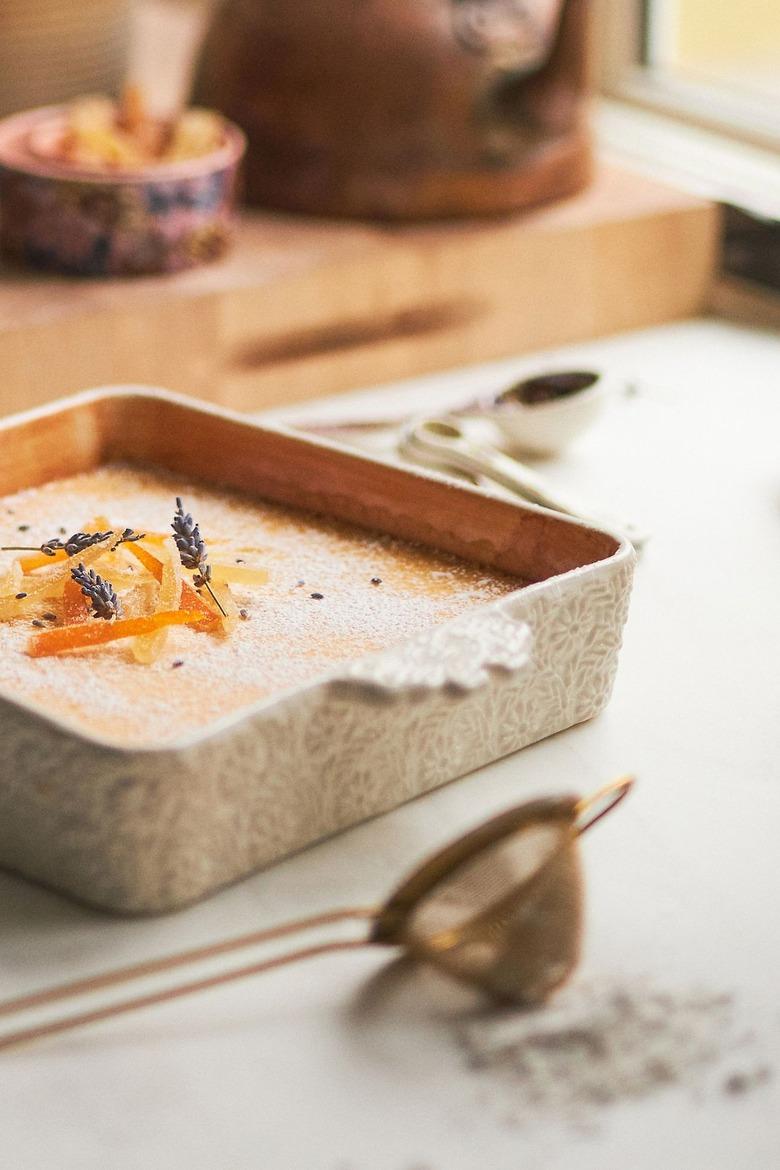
150 561
42 560
79 637
74 604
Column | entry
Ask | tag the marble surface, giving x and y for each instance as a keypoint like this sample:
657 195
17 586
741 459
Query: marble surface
350 1064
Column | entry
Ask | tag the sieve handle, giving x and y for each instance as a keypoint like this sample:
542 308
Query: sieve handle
25 1006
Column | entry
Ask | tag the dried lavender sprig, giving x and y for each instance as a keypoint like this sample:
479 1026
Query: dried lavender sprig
73 545
186 533
128 536
81 541
101 594
192 550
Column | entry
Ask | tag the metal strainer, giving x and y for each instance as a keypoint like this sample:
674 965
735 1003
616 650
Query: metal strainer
499 908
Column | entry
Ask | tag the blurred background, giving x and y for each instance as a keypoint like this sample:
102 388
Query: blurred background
51 50
733 45
551 170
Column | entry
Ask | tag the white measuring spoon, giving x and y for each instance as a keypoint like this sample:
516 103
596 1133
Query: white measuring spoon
440 443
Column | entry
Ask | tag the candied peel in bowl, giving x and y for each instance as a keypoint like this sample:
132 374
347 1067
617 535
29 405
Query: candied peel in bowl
99 134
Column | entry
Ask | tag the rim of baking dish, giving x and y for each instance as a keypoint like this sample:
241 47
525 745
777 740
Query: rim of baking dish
70 725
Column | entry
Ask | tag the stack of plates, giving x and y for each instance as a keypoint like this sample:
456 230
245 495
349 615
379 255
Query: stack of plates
53 50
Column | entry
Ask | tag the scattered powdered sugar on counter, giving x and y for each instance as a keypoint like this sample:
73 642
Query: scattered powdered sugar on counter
596 1045
334 593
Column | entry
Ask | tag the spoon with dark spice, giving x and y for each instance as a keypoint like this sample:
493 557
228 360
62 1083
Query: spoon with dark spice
539 415
549 387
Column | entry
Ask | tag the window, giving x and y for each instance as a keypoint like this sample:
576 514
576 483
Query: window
715 63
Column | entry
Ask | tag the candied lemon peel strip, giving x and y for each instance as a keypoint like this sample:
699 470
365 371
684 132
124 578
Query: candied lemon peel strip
238 574
147 648
12 580
230 615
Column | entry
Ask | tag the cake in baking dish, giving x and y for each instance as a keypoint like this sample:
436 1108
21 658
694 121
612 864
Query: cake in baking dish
290 595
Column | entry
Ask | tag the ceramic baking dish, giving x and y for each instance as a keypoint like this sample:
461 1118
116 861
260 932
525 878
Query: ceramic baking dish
138 830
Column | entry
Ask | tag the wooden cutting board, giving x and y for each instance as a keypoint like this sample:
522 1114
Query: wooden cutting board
306 307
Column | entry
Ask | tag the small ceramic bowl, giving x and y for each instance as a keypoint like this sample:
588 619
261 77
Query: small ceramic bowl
92 223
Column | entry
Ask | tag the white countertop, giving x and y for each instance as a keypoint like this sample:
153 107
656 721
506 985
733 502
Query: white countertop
325 1066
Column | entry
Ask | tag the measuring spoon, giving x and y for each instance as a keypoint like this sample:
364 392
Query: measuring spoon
442 444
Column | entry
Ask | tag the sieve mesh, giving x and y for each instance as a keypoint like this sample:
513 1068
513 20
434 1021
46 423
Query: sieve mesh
484 879
509 918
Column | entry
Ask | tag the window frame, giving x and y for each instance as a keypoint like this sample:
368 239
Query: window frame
622 28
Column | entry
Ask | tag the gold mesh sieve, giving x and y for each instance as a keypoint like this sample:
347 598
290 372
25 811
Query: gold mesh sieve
499 908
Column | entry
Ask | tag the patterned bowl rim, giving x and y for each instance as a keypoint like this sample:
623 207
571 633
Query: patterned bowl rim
14 157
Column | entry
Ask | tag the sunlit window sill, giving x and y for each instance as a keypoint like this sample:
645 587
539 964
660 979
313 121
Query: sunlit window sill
702 161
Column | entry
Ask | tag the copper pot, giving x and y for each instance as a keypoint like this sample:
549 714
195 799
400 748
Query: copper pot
403 108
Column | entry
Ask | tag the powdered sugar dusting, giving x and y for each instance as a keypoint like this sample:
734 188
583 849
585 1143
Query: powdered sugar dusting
370 592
